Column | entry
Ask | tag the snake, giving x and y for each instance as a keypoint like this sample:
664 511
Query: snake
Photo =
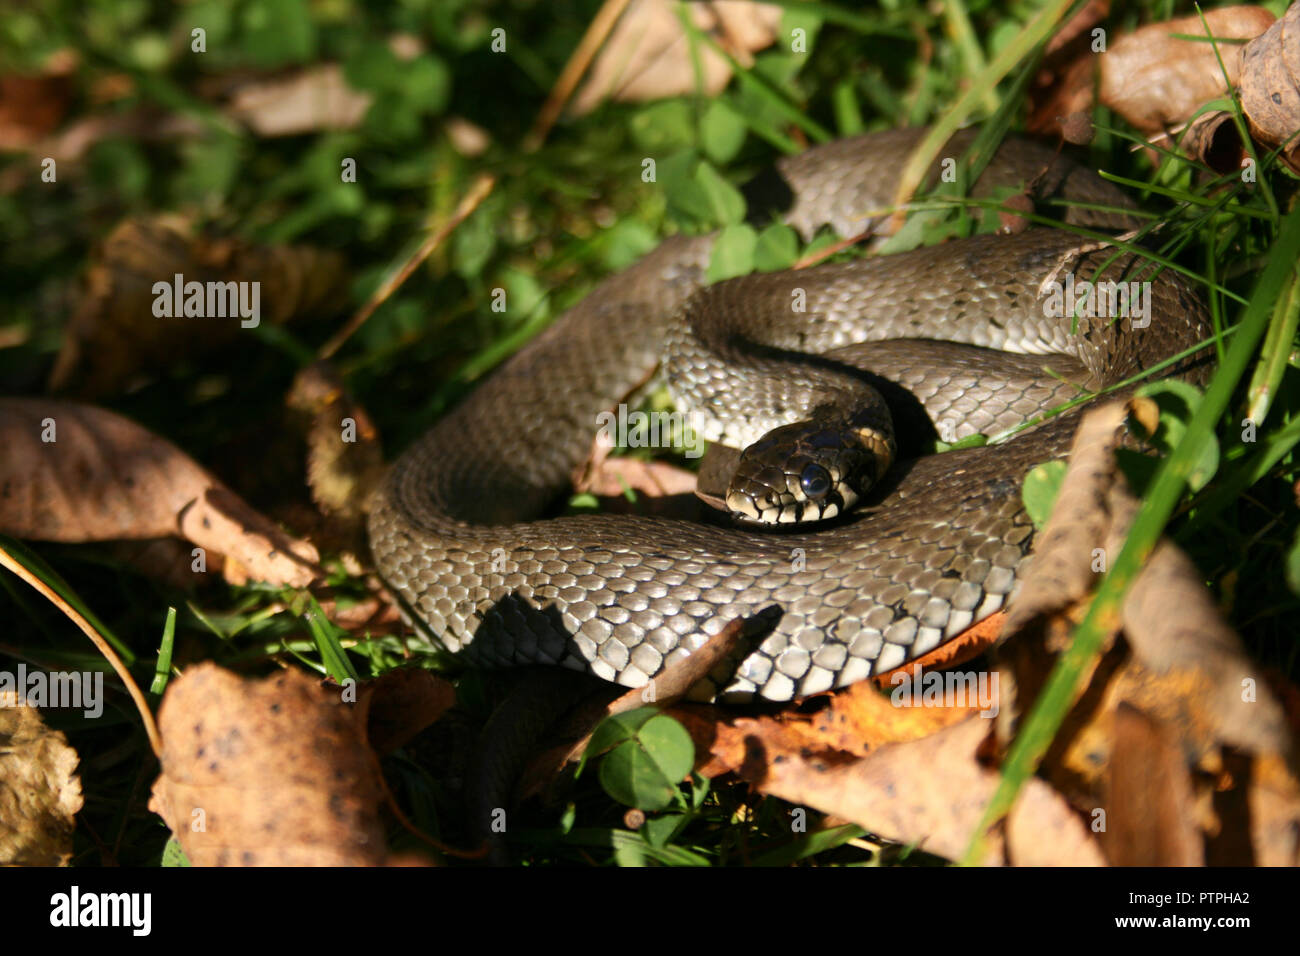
957 338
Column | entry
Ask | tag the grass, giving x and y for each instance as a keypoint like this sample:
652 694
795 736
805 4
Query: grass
557 219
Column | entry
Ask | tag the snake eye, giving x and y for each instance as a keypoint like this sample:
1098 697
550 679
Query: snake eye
815 481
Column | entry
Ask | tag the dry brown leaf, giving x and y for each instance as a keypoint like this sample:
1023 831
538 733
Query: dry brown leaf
115 337
1162 709
71 143
1062 572
399 704
1157 82
933 793
604 476
658 487
1272 810
74 472
654 479
344 458
1170 622
1063 84
1270 86
1150 805
1270 99
378 614
1213 139
315 98
31 107
648 56
1175 630
859 720
40 793
271 772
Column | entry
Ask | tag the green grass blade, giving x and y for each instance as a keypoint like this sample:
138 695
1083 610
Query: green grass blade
326 635
162 670
1276 354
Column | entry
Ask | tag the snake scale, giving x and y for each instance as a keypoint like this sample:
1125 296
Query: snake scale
962 327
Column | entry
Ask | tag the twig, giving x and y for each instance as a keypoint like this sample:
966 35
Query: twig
478 192
573 71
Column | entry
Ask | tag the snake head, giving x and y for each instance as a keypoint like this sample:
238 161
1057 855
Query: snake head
807 471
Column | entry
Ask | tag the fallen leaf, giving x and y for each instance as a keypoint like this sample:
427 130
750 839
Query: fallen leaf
1159 710
269 772
648 55
1150 811
115 335
658 487
40 793
344 458
933 793
74 472
316 98
1270 86
613 477
1064 83
1157 81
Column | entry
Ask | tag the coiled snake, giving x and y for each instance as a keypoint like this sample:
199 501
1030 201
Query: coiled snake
939 543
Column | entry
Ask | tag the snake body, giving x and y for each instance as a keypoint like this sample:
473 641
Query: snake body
455 531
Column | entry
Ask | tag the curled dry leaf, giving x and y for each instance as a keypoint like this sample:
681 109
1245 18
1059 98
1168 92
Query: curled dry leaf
1213 139
1157 81
1270 86
859 720
907 773
271 772
654 479
312 99
377 614
40 793
933 793
1063 84
664 488
1270 100
73 472
344 458
1149 779
1078 522
1179 685
115 334
648 56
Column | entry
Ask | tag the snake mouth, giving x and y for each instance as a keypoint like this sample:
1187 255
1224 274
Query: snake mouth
762 510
